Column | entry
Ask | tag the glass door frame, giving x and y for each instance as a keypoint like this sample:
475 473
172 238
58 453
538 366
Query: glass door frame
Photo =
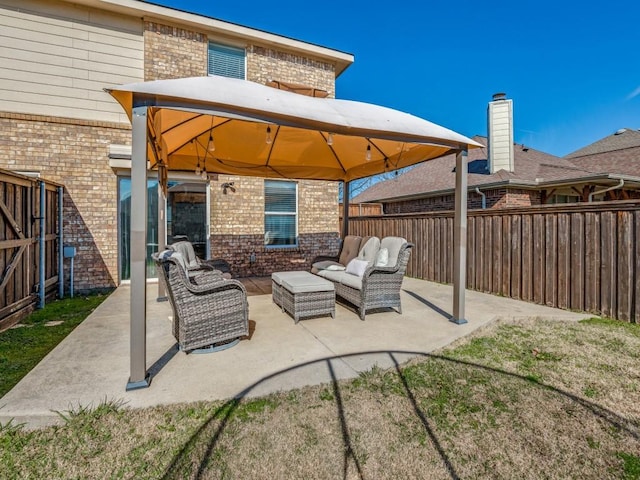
173 176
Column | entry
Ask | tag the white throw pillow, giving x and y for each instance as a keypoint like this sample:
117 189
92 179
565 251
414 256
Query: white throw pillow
382 258
357 267
335 267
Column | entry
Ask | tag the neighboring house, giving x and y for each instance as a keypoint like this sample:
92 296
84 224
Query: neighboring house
618 153
56 121
502 175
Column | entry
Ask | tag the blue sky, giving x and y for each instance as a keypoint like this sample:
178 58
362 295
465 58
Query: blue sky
572 68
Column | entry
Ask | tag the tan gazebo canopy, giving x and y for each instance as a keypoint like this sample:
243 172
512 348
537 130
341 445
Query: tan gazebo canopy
231 126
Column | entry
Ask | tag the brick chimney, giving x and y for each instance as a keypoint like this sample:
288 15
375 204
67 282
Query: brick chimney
500 130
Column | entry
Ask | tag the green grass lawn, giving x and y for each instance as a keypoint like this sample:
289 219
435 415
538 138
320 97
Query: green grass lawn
23 347
526 400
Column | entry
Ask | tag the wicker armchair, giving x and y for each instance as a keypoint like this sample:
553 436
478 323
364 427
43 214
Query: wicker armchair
208 310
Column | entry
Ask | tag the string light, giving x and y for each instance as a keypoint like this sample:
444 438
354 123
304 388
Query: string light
198 169
211 147
368 154
269 139
330 139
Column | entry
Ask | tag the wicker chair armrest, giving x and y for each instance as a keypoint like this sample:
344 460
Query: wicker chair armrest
204 276
214 284
217 264
373 270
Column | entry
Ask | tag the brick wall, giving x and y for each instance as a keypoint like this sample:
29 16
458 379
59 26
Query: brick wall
266 64
237 226
496 198
238 250
173 52
74 153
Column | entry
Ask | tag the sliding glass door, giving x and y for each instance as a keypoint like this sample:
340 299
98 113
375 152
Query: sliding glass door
186 219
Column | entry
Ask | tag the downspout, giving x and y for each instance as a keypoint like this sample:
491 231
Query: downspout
41 241
484 198
60 244
615 187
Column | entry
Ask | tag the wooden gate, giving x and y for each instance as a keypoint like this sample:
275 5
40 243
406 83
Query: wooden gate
20 263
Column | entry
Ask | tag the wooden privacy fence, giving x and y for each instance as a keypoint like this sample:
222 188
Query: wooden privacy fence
20 258
580 257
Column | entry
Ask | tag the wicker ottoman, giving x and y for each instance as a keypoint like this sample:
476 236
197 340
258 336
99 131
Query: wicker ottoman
302 294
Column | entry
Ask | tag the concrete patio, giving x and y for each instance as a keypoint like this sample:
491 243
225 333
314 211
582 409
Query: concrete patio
92 364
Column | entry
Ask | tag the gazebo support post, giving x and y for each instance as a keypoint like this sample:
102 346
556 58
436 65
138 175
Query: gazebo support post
345 208
460 240
139 378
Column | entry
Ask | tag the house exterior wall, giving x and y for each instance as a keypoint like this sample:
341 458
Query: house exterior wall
58 57
172 52
495 199
75 154
266 64
66 139
237 219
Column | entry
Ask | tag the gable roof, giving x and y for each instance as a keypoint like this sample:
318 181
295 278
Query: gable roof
436 177
618 153
620 140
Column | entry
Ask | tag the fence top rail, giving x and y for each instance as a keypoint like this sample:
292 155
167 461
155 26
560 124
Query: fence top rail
25 180
595 207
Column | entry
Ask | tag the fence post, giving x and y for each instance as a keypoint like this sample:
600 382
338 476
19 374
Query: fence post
41 241
60 244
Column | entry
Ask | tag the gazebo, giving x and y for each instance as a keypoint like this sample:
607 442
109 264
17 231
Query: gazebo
230 126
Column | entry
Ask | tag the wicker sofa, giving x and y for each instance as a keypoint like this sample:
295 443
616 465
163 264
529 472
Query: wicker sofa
368 272
208 310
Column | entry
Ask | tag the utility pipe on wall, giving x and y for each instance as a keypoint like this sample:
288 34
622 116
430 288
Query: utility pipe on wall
60 244
484 198
41 241
615 187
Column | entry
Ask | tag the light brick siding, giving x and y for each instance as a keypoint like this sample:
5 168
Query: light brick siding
237 226
171 52
75 154
265 64
497 198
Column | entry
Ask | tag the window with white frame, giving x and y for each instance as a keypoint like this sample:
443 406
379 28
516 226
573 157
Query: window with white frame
280 213
226 61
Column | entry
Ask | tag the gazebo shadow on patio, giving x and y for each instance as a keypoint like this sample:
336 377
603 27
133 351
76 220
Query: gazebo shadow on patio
90 364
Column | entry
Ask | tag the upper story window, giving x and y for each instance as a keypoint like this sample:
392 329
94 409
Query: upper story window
280 213
226 61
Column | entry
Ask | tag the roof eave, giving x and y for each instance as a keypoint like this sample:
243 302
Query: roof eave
143 9
527 184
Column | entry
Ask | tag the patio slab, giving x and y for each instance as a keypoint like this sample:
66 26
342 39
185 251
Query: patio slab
92 364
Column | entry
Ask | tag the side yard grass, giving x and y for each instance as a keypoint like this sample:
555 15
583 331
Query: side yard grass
22 347
527 400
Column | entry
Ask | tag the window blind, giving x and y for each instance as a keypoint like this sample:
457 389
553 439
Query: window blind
280 212
226 61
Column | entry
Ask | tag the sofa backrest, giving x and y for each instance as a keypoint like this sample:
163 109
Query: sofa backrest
350 249
369 247
393 245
